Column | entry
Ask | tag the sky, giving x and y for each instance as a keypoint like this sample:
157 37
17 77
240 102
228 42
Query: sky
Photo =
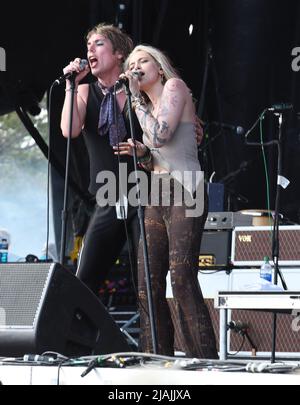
23 213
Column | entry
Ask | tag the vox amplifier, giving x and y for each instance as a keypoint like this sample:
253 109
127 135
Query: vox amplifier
251 244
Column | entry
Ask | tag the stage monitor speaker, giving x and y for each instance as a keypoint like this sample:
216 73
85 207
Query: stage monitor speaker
44 307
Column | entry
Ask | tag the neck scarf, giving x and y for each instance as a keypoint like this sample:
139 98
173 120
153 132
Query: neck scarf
116 130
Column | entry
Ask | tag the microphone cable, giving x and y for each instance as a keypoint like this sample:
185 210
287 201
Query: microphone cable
262 145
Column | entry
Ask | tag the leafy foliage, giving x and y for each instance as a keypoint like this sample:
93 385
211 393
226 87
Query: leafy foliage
18 151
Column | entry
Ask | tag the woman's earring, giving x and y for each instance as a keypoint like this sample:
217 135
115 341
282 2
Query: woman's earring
162 78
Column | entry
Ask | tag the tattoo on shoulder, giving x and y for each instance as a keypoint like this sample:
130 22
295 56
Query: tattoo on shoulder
174 100
164 110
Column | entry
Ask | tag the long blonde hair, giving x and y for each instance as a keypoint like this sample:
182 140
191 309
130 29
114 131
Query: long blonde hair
160 58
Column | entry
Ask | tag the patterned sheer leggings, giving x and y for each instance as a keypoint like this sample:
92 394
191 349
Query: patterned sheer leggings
173 244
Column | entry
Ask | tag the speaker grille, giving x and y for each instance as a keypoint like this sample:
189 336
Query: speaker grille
250 245
21 290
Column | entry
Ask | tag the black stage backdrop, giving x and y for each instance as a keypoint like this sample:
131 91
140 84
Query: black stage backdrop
236 56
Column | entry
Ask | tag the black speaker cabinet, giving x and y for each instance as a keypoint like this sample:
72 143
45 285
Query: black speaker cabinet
215 247
44 307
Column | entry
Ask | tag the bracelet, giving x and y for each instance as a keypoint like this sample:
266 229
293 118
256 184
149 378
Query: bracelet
146 158
69 89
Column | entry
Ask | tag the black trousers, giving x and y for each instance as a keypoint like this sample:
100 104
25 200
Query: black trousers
102 244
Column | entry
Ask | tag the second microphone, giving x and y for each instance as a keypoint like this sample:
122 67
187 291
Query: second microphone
125 81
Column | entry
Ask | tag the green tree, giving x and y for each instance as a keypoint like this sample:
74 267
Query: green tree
18 151
23 183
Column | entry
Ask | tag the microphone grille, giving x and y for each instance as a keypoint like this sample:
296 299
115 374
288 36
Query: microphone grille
83 63
137 73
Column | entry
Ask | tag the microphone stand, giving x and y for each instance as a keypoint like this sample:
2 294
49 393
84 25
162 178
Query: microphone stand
64 215
222 127
142 229
208 143
275 235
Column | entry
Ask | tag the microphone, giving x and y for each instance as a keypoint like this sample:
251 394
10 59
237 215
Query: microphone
238 327
124 80
281 107
237 129
63 78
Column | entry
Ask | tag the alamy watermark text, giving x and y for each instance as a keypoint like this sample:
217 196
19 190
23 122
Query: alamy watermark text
177 188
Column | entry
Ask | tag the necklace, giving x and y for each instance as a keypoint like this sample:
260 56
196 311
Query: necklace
105 90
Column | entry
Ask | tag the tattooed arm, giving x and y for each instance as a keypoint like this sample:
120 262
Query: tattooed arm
160 130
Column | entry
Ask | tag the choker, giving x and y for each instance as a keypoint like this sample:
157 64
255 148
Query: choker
105 90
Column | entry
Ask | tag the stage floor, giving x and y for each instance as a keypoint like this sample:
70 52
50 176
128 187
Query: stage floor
287 373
